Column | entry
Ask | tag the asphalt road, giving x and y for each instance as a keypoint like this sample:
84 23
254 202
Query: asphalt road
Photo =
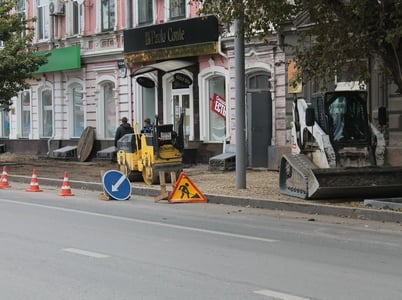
80 247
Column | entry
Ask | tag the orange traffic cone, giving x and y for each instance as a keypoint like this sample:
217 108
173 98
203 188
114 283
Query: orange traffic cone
65 188
4 179
34 186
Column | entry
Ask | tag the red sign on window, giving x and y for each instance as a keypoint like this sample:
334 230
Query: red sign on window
219 105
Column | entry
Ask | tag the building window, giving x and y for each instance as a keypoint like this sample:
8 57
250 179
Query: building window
259 82
145 12
25 114
148 103
46 113
109 110
77 120
108 15
77 18
20 5
43 19
177 9
5 124
214 104
217 108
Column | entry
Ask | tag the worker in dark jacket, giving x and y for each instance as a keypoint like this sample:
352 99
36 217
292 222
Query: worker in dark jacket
123 129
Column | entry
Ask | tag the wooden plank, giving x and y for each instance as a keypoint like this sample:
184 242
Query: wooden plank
86 143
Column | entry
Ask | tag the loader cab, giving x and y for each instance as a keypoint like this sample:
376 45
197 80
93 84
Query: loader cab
343 116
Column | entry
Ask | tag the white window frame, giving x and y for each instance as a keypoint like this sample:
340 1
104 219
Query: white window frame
72 20
100 118
137 10
41 112
21 110
167 10
22 9
112 25
72 89
43 20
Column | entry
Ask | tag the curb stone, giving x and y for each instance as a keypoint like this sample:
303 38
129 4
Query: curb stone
307 208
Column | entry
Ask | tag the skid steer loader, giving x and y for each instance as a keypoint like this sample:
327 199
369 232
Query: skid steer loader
336 151
144 154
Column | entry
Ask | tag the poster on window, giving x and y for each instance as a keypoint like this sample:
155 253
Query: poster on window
219 105
295 85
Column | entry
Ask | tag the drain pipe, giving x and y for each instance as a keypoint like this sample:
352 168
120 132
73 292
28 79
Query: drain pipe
53 119
48 145
53 127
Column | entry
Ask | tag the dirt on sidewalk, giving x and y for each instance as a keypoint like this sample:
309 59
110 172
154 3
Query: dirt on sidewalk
260 183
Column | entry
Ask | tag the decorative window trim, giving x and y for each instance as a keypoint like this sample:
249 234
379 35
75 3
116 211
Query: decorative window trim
203 78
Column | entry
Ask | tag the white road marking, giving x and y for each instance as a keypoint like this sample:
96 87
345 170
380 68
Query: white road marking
278 295
85 253
214 232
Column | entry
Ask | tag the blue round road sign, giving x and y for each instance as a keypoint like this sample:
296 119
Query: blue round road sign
117 185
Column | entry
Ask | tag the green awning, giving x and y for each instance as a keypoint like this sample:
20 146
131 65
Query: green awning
61 59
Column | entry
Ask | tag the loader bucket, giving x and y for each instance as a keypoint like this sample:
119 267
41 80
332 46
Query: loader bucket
299 177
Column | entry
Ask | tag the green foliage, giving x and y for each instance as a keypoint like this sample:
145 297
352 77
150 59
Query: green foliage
18 60
342 37
260 16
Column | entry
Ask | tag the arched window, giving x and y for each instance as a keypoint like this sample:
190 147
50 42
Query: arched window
217 108
214 104
148 103
259 81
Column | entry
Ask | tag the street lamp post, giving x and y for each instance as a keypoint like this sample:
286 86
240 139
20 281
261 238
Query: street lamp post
240 104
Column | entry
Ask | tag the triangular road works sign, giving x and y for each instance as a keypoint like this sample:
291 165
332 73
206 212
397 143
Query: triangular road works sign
186 191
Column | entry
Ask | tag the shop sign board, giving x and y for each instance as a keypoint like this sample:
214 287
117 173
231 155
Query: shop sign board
189 37
219 105
145 82
183 79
